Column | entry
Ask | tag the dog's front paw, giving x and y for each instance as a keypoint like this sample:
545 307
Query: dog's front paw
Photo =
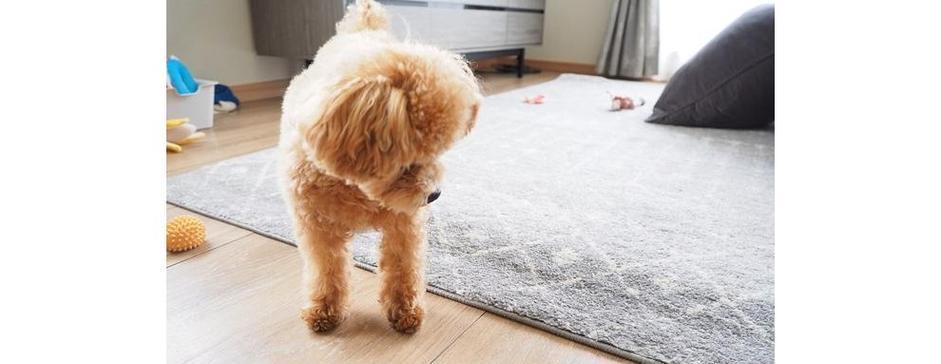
322 318
406 320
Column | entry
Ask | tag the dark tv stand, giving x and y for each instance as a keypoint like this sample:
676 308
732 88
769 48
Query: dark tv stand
520 54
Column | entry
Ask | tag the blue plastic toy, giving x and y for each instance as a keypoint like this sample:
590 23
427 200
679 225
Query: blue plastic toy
224 93
180 77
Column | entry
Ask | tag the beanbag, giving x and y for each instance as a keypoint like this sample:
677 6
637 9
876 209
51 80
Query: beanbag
729 83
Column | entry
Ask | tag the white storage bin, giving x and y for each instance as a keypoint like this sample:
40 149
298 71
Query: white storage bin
197 107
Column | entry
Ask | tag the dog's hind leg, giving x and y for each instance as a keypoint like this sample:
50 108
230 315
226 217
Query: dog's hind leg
401 268
326 276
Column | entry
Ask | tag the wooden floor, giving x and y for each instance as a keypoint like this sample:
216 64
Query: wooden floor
237 298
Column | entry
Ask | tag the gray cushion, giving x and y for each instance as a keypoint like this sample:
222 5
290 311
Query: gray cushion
730 82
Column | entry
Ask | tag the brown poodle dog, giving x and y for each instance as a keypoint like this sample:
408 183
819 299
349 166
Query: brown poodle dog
361 132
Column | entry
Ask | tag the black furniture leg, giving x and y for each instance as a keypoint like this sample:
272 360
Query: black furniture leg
520 62
520 54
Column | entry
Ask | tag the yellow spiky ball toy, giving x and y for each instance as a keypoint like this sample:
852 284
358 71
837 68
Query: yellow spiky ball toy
185 233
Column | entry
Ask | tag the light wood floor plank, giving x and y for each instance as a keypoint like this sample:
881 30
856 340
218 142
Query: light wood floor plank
218 234
494 339
495 83
251 128
240 304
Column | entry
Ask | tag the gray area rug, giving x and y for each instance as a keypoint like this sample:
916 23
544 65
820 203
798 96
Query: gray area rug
651 242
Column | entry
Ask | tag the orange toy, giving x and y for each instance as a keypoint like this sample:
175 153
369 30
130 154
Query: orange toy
185 233
538 99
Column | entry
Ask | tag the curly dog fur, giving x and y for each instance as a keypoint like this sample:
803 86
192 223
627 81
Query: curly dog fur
361 132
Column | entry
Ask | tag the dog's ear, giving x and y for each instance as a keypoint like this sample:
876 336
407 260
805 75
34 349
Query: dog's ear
364 133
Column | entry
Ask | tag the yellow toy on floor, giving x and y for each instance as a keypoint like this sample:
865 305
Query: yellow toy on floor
180 133
185 233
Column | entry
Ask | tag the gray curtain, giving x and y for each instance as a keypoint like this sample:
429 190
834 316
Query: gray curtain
632 42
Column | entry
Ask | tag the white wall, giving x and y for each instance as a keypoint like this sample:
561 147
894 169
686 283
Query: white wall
214 39
573 31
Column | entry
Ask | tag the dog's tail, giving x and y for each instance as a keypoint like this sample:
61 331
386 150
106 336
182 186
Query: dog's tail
364 15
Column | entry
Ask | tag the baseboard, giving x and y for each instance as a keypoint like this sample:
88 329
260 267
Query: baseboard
553 66
261 90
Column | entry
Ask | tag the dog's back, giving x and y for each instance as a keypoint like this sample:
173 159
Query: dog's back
361 35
